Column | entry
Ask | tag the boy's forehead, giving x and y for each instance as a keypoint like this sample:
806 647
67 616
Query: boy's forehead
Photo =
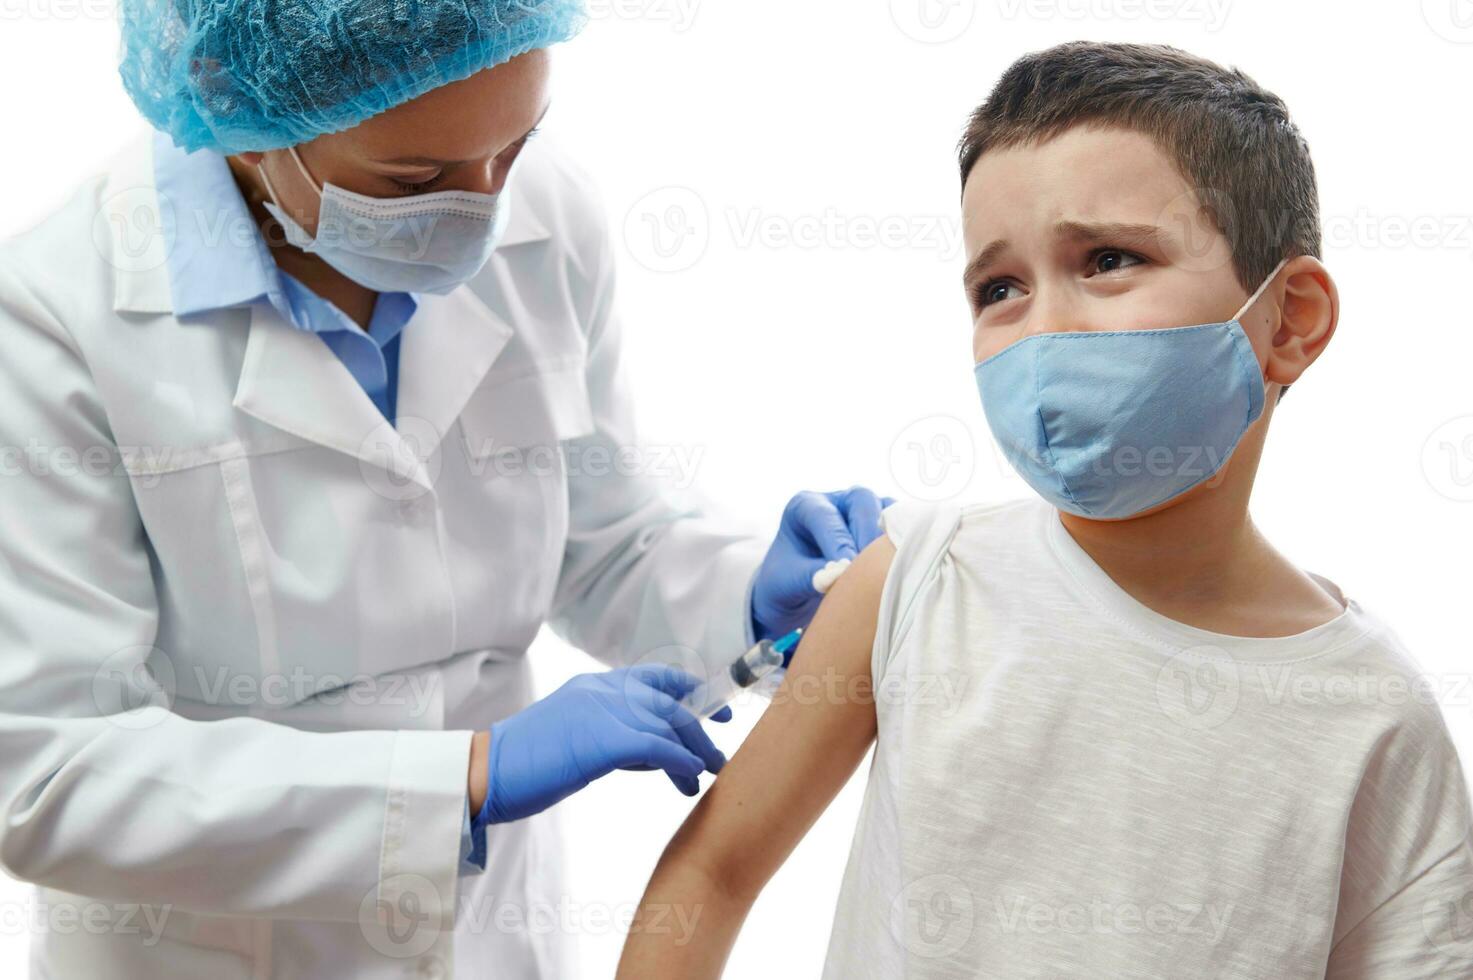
1086 174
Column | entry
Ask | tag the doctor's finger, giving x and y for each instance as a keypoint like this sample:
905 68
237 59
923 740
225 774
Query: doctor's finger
665 679
658 752
693 736
822 523
686 728
862 507
688 785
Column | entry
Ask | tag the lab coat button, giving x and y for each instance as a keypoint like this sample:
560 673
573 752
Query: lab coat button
432 968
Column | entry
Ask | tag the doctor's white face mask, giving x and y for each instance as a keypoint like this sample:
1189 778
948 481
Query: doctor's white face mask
424 243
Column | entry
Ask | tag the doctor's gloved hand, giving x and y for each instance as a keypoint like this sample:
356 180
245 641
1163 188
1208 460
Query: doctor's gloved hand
816 528
627 718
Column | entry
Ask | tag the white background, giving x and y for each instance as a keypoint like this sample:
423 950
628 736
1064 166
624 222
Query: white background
807 318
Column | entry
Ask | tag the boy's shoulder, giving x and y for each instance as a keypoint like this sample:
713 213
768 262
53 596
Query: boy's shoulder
909 521
1378 672
1359 660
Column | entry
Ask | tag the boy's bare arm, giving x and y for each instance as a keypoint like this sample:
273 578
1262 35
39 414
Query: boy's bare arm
799 755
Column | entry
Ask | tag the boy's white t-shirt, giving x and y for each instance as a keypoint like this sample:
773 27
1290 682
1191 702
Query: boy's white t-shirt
1068 784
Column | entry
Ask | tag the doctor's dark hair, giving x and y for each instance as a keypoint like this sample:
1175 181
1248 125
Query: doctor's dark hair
1231 139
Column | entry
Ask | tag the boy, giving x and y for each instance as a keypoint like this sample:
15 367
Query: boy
1119 735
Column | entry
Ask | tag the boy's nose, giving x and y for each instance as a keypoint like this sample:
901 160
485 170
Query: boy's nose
1056 314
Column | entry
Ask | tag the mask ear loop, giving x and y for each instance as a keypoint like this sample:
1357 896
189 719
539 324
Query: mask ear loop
303 168
276 200
1258 293
270 189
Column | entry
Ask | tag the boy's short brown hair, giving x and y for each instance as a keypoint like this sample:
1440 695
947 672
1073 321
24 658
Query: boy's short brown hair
1231 139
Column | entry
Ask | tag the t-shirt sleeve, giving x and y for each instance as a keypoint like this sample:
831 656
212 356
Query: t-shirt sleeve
921 534
1406 896
1423 932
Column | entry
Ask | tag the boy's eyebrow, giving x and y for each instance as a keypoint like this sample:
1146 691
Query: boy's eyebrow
1100 233
983 259
1109 232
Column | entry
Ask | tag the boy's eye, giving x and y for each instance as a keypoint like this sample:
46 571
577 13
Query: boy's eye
1112 260
994 292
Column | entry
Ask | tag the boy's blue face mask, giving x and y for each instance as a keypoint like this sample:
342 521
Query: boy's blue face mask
1110 424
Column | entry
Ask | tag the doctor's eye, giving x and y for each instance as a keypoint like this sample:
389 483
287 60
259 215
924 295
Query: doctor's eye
1105 260
994 291
419 185
512 151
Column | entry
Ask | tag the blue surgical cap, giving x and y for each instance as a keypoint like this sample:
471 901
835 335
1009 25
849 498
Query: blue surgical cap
239 75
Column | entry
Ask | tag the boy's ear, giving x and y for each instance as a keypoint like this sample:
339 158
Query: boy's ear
1307 317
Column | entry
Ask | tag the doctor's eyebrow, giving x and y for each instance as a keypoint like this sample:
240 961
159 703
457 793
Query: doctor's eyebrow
435 162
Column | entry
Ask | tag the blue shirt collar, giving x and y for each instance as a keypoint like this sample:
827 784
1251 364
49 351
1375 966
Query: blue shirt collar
217 257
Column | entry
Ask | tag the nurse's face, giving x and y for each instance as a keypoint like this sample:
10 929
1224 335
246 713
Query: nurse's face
461 136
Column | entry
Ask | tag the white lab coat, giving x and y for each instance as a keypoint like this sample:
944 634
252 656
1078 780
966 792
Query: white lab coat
217 499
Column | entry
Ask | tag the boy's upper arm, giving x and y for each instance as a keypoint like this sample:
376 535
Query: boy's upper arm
803 749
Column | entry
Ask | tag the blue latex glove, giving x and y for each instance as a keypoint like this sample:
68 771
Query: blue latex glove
627 718
816 528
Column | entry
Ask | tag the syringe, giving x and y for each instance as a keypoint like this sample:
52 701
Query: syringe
762 659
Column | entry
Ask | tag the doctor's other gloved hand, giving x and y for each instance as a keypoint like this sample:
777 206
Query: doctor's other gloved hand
629 718
816 528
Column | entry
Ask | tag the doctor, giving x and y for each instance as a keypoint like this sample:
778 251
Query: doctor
312 414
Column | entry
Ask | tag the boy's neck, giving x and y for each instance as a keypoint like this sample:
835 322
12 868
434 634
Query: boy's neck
1203 562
